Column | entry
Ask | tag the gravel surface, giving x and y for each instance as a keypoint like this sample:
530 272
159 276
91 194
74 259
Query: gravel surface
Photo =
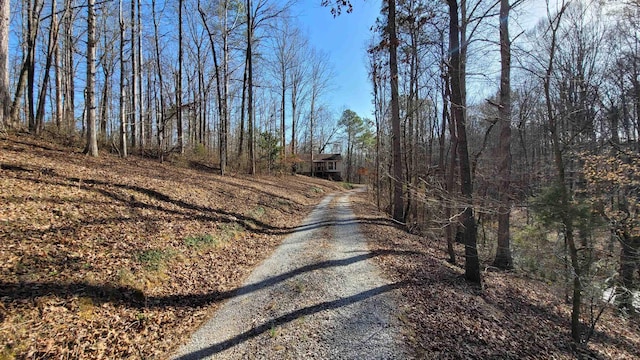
318 296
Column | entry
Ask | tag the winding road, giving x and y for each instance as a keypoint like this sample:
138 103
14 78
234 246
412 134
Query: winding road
319 296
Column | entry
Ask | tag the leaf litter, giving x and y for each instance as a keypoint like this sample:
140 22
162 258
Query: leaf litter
512 317
104 258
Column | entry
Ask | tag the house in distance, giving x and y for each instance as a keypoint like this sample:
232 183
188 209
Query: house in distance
327 166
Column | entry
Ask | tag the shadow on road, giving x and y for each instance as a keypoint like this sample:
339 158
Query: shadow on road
310 310
127 296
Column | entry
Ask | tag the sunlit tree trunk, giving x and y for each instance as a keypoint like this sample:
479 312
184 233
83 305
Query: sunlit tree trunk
92 140
503 258
160 117
179 87
53 39
4 62
123 115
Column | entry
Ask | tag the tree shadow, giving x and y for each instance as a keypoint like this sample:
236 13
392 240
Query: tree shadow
287 318
189 210
131 297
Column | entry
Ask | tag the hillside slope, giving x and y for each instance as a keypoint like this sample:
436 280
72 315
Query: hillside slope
112 258
512 317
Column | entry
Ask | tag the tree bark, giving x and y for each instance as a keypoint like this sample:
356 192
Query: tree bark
4 62
472 262
395 113
123 115
160 119
134 84
92 140
53 39
179 85
252 143
503 258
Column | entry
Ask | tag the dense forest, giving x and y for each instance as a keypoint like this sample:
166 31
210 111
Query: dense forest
508 129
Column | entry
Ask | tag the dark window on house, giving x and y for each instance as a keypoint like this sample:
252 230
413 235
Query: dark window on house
331 165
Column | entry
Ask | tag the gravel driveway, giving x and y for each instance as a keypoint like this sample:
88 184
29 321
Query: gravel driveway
318 296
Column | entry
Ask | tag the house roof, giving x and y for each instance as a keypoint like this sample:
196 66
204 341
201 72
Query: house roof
321 157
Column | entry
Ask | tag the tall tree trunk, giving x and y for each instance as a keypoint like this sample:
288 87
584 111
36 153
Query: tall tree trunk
224 122
503 258
283 99
59 91
376 115
92 140
179 87
564 198
242 102
33 26
472 262
395 113
4 62
221 103
133 108
160 118
69 73
53 39
123 115
20 87
252 143
138 75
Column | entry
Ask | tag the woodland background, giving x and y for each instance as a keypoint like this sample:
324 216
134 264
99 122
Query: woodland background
541 174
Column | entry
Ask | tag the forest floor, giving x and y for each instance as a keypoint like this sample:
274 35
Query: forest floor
512 317
110 258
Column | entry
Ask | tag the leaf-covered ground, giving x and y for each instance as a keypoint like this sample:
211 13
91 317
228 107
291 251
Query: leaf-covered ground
513 317
109 258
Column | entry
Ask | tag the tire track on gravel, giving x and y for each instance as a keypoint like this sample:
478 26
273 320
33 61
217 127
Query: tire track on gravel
317 297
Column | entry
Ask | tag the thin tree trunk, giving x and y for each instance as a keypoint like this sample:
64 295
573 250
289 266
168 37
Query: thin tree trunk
133 83
160 120
138 75
179 87
4 62
123 115
53 39
33 26
92 141
563 200
221 104
69 90
242 102
58 79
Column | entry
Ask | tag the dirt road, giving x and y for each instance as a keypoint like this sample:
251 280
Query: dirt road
318 296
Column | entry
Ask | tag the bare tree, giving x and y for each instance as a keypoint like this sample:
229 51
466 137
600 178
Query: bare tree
398 206
472 262
283 49
92 139
123 115
4 61
503 258
179 81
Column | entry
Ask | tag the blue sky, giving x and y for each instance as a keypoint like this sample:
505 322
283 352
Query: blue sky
345 39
